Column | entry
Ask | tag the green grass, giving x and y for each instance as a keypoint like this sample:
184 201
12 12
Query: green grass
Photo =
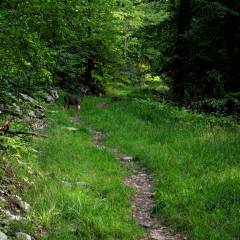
81 194
195 160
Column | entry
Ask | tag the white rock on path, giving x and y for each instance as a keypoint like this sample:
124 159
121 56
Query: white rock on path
3 236
127 158
71 129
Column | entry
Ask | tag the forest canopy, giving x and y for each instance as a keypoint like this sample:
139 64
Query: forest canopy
191 45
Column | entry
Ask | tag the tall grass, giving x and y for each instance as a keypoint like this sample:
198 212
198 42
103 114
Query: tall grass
194 158
81 194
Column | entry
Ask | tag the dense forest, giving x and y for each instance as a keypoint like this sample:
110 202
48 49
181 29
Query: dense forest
192 45
151 149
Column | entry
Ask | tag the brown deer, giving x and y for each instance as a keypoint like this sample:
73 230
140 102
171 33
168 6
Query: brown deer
75 100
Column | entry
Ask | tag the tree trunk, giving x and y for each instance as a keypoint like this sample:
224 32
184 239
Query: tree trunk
88 71
182 50
90 63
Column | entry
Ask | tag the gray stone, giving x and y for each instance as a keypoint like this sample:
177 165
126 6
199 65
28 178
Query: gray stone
29 99
2 199
16 108
33 101
38 124
3 236
127 158
2 106
12 97
48 97
51 95
31 113
12 216
23 236
71 129
54 93
21 204
40 114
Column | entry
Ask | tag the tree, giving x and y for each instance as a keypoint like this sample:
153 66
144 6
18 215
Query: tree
182 49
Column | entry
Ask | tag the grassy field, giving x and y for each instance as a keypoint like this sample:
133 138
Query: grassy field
81 194
78 190
195 160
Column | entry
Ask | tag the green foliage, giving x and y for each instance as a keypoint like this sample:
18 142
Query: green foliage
25 59
54 42
228 105
204 62
16 175
194 44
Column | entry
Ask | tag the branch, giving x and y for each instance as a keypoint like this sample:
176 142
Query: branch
23 133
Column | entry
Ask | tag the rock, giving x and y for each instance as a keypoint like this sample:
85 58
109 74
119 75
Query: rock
3 192
15 108
3 236
39 114
2 199
71 129
127 158
34 102
38 124
48 97
157 234
12 216
51 95
21 204
11 97
29 99
23 236
31 113
54 93
1 106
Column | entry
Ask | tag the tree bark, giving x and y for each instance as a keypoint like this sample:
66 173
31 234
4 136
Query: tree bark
182 49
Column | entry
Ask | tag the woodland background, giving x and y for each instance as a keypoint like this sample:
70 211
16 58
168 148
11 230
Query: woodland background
192 46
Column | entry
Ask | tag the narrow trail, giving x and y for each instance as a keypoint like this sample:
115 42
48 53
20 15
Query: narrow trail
143 199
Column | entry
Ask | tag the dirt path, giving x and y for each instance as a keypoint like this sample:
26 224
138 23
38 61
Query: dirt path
143 199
